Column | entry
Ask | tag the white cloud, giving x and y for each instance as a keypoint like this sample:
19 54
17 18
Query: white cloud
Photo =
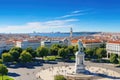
46 26
71 15
75 13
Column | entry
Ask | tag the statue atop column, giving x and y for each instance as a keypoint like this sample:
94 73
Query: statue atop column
80 46
79 65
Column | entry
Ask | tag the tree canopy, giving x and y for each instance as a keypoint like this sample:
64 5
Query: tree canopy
42 51
3 69
16 49
6 57
113 58
63 53
89 52
101 52
54 49
15 54
25 57
31 51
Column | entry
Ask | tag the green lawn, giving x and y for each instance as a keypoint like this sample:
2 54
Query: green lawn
51 58
6 78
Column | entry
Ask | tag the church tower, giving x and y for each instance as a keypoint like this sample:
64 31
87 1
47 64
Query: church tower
71 32
70 37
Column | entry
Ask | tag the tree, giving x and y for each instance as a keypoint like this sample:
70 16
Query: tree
76 48
62 53
6 57
103 45
15 54
16 49
101 52
1 61
119 59
71 50
113 58
64 46
54 49
25 57
3 70
42 51
56 45
59 77
89 53
31 51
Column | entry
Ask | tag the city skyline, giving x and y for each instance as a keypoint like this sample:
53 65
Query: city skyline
26 16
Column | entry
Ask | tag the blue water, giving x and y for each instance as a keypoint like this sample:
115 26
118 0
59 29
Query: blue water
77 34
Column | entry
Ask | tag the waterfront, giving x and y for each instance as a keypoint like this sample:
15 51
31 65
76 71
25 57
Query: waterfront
75 34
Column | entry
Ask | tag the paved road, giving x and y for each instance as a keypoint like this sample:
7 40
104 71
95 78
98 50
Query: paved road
29 74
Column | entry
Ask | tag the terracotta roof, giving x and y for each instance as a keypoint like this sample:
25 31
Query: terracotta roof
9 42
114 42
33 41
74 40
87 41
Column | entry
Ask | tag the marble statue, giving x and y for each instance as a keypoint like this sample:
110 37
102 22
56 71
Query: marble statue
79 64
80 46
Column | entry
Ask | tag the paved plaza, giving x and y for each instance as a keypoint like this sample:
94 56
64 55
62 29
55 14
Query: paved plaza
30 73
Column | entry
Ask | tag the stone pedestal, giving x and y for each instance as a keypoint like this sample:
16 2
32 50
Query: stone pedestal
79 65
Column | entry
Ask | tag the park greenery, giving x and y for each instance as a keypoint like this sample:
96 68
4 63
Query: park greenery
55 52
59 77
50 54
4 72
114 59
5 78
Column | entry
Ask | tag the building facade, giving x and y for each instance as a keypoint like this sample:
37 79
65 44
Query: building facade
49 43
113 47
6 45
28 43
91 43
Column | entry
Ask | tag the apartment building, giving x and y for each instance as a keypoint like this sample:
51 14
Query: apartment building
91 43
6 45
28 43
49 43
113 47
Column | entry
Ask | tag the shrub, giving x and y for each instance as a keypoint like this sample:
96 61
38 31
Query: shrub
59 77
50 58
1 61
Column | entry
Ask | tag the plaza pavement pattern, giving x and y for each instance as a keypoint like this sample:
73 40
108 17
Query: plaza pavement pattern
31 73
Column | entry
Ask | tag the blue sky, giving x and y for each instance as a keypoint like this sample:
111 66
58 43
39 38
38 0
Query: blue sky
23 16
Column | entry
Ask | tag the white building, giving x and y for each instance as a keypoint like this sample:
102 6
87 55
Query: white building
91 43
28 43
113 47
5 45
51 42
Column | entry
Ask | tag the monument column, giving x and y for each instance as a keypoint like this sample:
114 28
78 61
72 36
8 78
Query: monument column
79 65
